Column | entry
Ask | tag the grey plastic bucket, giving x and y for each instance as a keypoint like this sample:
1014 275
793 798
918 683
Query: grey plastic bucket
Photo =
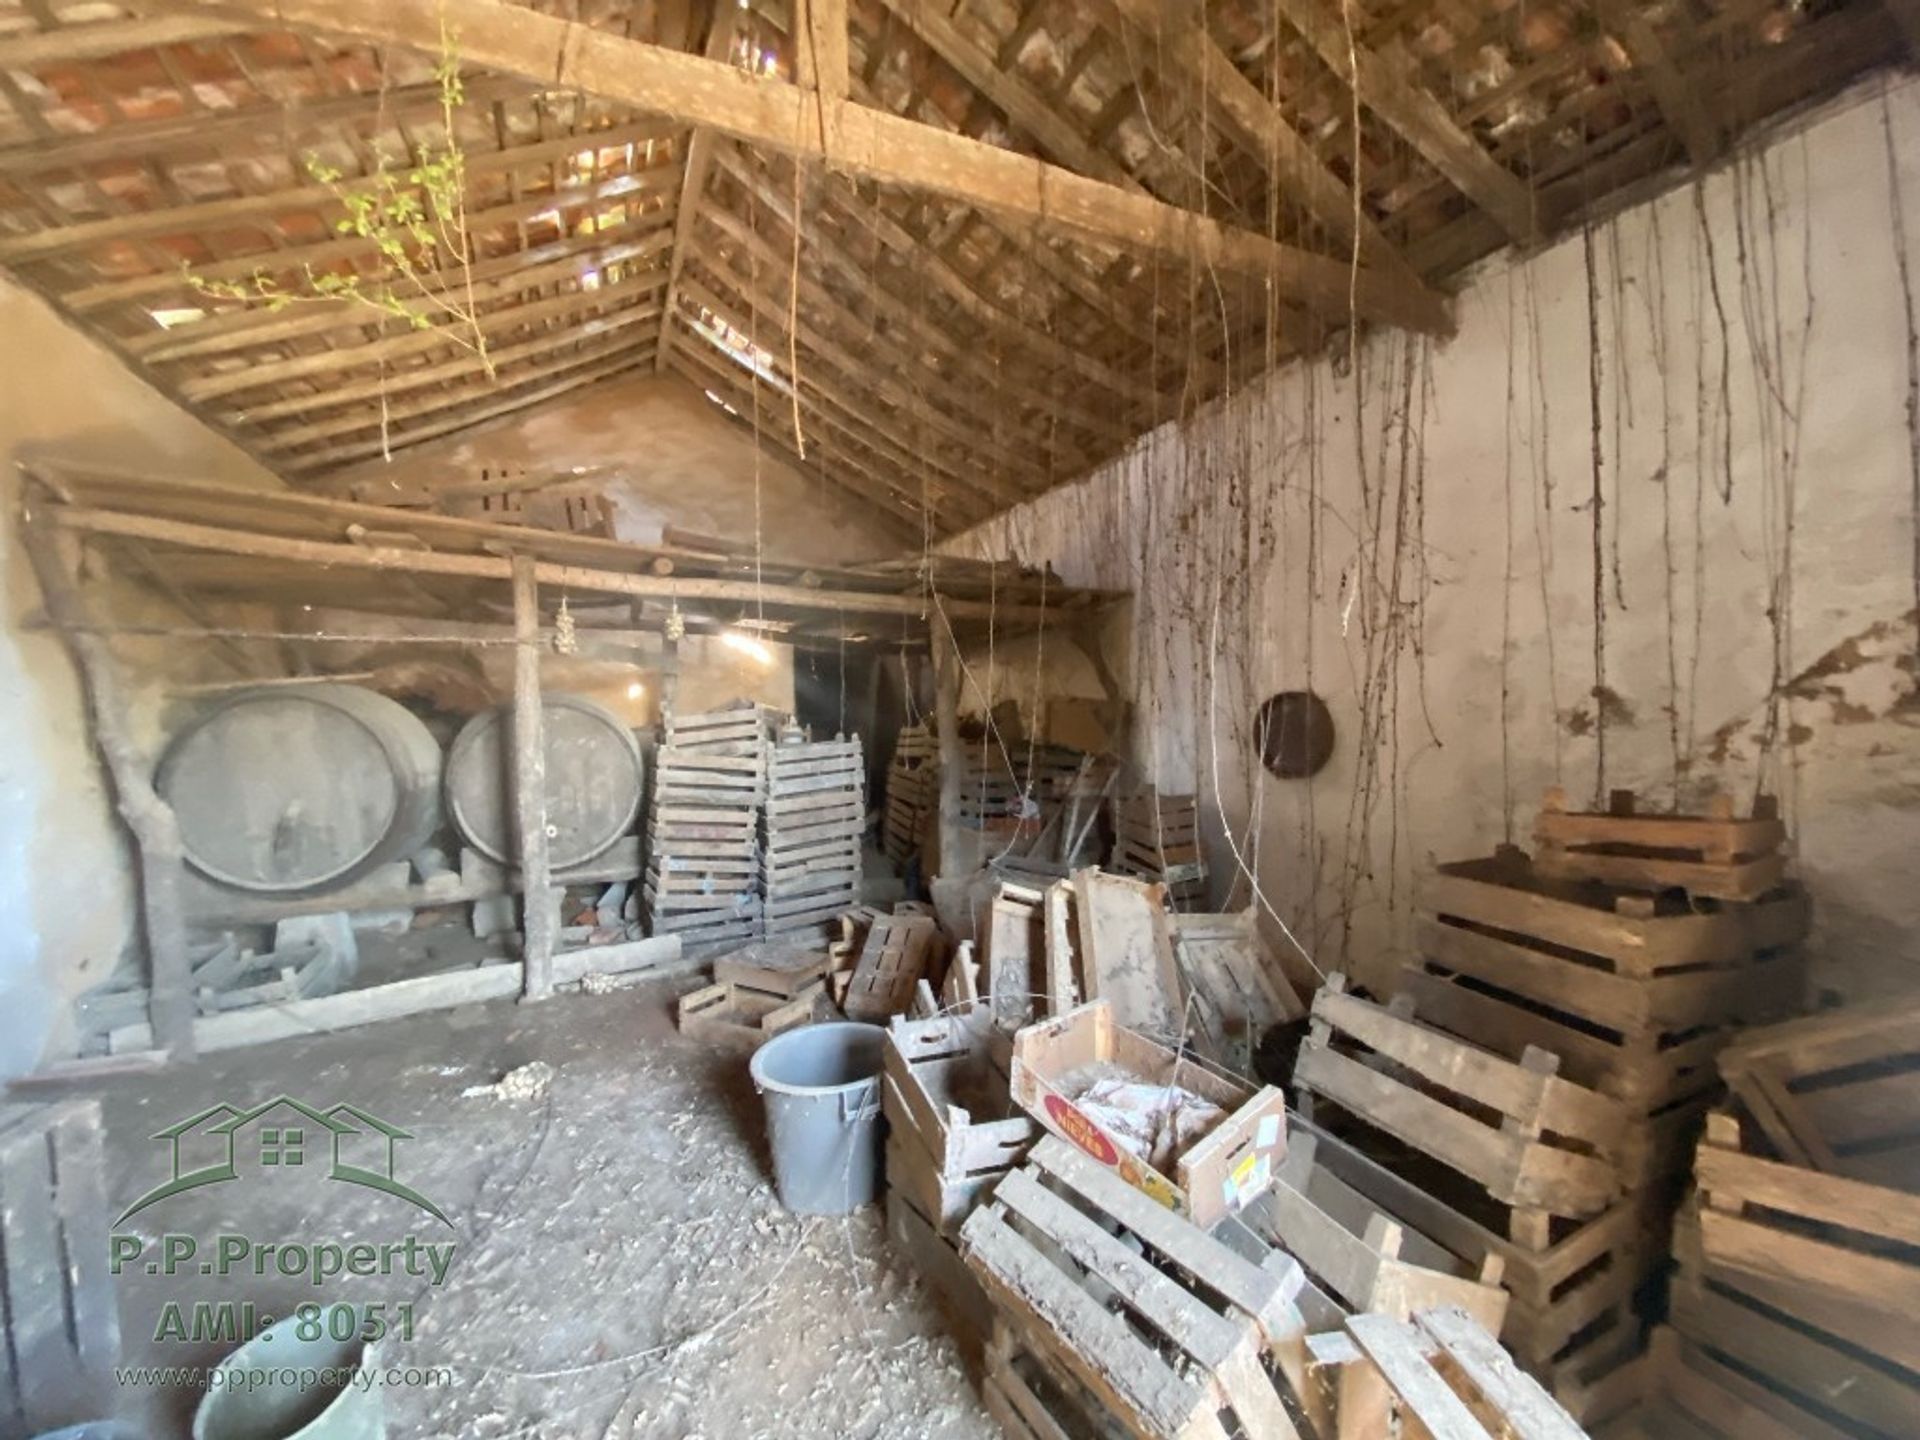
285 1399
822 1088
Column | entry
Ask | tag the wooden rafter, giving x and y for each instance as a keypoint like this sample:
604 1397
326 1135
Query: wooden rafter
693 183
1421 120
929 401
843 135
1180 37
1679 103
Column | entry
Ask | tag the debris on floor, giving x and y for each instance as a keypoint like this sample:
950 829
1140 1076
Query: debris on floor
525 1082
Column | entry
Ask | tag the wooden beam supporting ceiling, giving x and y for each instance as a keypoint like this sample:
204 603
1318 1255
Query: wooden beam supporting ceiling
70 43
1679 103
1021 104
1418 118
896 371
444 420
693 183
766 111
1181 38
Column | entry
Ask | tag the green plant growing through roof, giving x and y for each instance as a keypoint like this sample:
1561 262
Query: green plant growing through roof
410 215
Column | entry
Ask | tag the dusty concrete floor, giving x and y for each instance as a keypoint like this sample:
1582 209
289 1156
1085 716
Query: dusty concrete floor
621 1266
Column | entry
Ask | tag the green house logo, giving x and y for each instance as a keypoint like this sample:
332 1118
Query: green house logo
212 1147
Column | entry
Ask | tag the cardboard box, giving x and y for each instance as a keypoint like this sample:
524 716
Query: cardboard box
1215 1175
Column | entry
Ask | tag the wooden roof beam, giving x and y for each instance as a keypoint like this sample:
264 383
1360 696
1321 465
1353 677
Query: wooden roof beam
844 371
769 196
67 44
1012 96
693 181
505 275
1679 102
886 357
1418 118
507 376
370 395
767 111
243 209
771 420
202 132
504 401
1257 124
416 342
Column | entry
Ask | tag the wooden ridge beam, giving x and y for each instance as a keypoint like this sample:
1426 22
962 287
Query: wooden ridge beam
1180 35
764 110
508 373
510 396
1418 118
693 179
417 342
703 371
885 358
87 520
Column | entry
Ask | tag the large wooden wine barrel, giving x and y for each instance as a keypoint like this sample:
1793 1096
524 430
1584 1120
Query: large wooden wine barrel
298 789
595 780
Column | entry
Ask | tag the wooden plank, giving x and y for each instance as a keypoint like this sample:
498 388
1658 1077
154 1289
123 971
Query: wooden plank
540 919
766 111
1528 1411
693 183
1394 1350
1126 952
1826 1199
69 44
148 818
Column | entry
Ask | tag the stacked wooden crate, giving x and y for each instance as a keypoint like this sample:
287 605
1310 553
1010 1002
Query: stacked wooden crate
1615 1000
815 815
913 793
1157 837
1799 1253
952 1132
710 775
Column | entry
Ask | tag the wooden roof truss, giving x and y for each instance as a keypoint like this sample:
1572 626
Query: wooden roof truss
942 254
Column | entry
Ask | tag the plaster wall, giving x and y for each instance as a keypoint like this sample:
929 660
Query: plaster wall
67 896
1409 529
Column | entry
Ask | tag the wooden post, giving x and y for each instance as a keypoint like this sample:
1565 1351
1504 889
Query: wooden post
538 917
946 719
155 829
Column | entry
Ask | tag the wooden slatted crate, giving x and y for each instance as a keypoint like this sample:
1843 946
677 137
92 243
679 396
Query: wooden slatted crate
733 1014
1534 1142
1570 1316
1844 1251
1157 837
1716 854
1838 1092
702 877
1438 1374
814 818
1157 1320
896 953
953 1129
62 1326
1635 994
